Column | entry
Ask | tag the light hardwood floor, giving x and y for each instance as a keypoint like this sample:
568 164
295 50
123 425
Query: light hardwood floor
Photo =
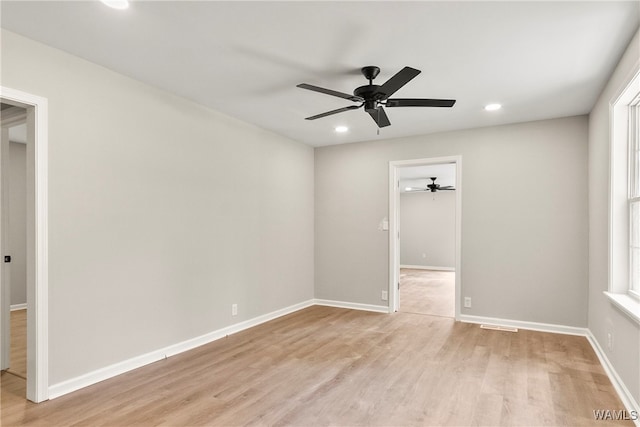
18 356
427 292
332 366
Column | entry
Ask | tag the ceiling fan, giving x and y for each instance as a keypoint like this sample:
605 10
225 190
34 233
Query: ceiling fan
433 187
373 97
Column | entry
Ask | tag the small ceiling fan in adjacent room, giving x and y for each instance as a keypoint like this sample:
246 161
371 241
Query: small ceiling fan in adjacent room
433 187
373 97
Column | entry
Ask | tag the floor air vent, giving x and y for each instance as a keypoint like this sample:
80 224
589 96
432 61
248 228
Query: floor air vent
499 328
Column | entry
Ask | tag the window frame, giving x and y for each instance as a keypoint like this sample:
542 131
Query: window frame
624 192
633 186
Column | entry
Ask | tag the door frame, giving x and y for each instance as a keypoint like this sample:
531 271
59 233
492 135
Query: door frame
37 244
394 226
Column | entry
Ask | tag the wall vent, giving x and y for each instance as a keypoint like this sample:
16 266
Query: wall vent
499 328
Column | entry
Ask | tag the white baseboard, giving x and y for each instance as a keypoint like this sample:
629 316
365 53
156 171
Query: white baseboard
352 305
107 372
428 267
15 307
625 395
520 324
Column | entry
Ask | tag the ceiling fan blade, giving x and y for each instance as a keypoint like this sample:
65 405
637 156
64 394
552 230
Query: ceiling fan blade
329 113
409 102
446 189
330 92
400 79
379 116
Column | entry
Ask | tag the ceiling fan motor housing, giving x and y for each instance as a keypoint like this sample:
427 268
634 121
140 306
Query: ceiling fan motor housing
370 93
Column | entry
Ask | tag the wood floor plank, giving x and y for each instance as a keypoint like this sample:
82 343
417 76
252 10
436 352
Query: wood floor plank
329 366
427 292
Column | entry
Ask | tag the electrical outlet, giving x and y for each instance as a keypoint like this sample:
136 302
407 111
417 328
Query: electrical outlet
467 302
609 341
424 255
234 309
384 296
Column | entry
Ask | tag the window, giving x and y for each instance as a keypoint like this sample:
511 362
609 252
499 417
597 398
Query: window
624 231
634 197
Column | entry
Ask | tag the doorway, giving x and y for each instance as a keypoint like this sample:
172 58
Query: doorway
20 107
426 220
424 266
14 204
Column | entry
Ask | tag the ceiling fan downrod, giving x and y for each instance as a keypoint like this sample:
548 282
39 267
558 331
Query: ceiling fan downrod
370 72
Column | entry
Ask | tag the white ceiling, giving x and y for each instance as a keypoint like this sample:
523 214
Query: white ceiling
539 59
419 176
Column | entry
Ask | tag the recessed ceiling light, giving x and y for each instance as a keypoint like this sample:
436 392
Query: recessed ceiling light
341 129
492 107
116 4
407 188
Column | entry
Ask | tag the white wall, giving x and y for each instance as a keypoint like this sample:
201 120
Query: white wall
524 245
428 229
603 316
18 222
162 213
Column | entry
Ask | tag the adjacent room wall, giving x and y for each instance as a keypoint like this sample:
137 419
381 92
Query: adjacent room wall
18 221
524 237
162 213
428 229
605 318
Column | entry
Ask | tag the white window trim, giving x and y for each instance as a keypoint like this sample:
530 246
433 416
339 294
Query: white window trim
628 305
619 292
634 192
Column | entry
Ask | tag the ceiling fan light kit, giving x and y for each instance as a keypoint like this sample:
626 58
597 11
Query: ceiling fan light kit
374 97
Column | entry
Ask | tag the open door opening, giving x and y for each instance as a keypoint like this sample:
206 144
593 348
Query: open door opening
14 240
26 355
426 221
425 239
